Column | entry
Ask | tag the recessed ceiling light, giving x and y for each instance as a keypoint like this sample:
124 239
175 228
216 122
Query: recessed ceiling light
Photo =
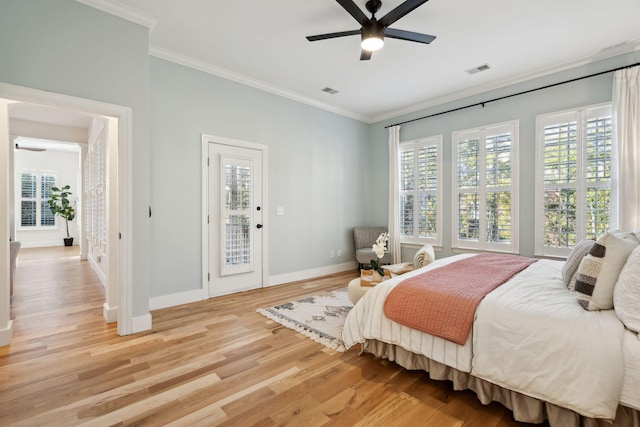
477 69
329 90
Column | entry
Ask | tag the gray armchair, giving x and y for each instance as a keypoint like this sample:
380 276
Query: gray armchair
363 239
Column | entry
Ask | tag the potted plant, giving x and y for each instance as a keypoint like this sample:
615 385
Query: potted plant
60 205
376 274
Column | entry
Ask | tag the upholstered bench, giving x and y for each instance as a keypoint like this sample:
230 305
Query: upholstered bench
356 291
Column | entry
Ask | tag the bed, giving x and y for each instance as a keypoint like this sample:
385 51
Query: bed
531 347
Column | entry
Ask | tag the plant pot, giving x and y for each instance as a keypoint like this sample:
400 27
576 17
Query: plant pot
68 241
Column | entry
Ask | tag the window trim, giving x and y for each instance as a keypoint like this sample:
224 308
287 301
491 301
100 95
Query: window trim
581 115
457 244
437 141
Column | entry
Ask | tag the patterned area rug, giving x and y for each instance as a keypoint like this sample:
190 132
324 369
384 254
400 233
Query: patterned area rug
320 317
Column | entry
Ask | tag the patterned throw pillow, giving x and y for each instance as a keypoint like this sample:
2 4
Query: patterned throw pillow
599 269
424 256
570 267
626 294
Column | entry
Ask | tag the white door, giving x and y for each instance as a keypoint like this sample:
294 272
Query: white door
235 219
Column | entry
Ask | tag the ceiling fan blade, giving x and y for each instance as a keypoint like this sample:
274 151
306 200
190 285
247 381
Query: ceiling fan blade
332 35
18 147
400 11
354 11
408 35
365 55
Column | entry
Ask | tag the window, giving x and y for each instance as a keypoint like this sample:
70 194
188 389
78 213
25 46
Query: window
573 178
47 218
35 190
485 182
420 191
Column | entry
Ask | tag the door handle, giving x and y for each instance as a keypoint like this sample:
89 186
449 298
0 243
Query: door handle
259 226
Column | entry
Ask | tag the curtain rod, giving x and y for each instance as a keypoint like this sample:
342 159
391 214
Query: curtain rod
513 94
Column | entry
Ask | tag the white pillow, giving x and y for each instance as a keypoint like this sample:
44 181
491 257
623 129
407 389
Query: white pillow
626 294
626 235
599 269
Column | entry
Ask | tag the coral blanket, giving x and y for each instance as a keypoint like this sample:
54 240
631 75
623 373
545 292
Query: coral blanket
443 301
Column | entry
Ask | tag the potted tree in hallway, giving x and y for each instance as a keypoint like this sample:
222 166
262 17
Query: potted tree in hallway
60 205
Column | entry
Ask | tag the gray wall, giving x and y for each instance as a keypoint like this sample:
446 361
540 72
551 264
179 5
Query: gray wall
318 171
66 47
523 108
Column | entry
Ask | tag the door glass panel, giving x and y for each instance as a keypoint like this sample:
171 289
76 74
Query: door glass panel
238 186
238 240
237 194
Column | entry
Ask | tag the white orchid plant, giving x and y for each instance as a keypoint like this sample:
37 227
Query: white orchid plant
380 248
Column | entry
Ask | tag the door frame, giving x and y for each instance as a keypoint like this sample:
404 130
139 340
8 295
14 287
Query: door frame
206 226
122 223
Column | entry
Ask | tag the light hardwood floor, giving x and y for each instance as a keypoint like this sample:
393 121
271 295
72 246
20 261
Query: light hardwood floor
215 362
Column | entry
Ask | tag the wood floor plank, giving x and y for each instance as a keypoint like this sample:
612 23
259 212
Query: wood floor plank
241 394
215 362
150 404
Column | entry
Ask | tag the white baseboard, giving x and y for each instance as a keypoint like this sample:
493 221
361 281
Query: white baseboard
6 334
172 300
44 244
96 269
165 301
110 313
141 323
310 274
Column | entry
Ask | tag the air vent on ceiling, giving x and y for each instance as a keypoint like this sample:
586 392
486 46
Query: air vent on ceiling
477 69
330 91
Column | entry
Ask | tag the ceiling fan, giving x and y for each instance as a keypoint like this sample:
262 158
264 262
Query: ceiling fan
374 30
18 147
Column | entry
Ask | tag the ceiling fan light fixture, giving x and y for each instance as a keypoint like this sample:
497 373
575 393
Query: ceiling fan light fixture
372 43
372 36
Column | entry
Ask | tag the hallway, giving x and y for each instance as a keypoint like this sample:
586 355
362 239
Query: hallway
55 295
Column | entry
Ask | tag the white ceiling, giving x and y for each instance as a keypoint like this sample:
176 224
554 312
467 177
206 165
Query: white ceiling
49 115
263 44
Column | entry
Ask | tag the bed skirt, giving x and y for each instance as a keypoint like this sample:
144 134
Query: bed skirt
524 408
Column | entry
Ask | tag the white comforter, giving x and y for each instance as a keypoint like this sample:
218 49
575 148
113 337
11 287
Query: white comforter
530 335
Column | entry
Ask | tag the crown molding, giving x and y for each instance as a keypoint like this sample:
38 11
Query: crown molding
123 11
209 68
632 47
